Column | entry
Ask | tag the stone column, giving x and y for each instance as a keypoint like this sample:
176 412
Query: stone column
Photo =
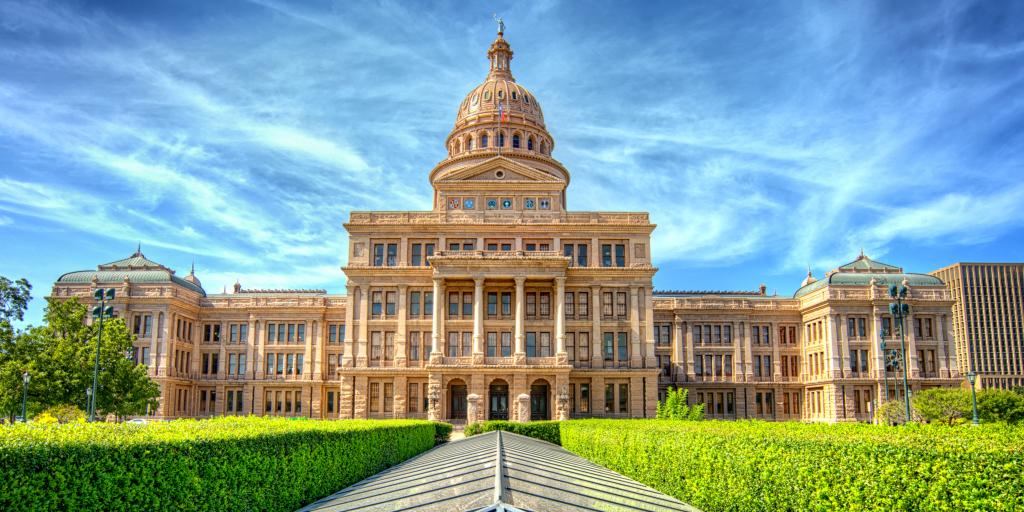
844 346
776 359
748 348
561 357
307 357
737 353
361 354
876 336
348 358
400 335
678 344
836 359
478 321
225 335
635 355
401 397
650 361
523 409
520 352
472 408
912 363
250 344
154 361
261 352
437 325
690 356
596 357
944 342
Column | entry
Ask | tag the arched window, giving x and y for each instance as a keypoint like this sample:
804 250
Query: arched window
501 139
483 140
469 144
529 143
515 141
458 146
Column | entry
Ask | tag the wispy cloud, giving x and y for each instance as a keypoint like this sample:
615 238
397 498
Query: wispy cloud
760 137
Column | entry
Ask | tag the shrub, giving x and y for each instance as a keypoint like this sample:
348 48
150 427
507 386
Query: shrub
61 414
1000 405
543 430
219 464
441 432
674 406
752 465
942 405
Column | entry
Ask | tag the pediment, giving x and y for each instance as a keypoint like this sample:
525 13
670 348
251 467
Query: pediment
500 169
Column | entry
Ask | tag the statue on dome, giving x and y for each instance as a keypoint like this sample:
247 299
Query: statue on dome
501 24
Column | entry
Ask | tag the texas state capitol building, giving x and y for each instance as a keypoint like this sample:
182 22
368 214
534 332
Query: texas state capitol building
501 303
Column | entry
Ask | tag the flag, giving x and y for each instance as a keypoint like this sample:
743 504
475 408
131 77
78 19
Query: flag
501 112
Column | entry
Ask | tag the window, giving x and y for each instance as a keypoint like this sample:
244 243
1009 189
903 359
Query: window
376 342
570 304
620 255
515 141
531 344
453 344
663 334
620 304
492 304
609 398
467 305
623 398
428 304
583 347
414 304
545 344
414 346
492 344
375 304
544 203
608 341
389 304
606 255
414 391
467 343
378 255
506 303
623 347
545 305
506 344
453 304
501 139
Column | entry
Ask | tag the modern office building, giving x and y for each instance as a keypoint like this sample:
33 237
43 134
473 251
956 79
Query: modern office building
988 320
501 302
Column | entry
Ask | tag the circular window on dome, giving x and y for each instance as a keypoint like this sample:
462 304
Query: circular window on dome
487 95
476 99
501 94
499 174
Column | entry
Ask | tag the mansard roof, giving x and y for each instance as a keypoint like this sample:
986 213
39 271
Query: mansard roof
864 271
136 268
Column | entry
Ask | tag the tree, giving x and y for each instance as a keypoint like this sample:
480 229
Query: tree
125 387
15 354
14 298
1000 405
942 405
674 406
894 412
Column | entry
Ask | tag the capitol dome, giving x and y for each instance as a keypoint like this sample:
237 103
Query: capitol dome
500 117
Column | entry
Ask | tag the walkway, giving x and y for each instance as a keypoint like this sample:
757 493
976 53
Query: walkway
497 471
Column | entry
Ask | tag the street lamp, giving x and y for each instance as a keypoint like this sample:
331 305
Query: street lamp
899 311
971 377
99 312
24 395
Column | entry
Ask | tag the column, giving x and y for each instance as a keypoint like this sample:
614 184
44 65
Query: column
222 368
154 361
596 344
595 258
748 349
350 307
261 350
478 320
844 346
944 351
650 360
158 321
364 326
437 324
690 356
520 353
776 359
560 355
835 332
912 363
876 336
250 343
319 351
678 343
737 365
400 336
634 327
307 357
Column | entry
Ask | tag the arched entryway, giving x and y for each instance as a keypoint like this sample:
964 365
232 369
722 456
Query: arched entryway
457 400
540 408
497 400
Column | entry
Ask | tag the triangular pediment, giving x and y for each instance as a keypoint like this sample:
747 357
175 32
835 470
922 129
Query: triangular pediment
500 168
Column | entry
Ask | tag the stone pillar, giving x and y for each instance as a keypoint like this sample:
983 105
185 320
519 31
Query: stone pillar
597 396
154 361
158 319
635 355
523 408
520 352
359 397
912 363
361 354
679 355
307 357
690 356
879 355
561 357
437 322
434 398
348 358
478 321
260 341
596 357
776 359
650 361
401 396
319 350
832 345
400 335
472 408
345 402
225 334
944 348
844 346
737 353
748 348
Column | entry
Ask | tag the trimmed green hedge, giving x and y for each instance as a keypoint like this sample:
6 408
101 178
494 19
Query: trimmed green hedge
752 465
546 430
441 432
220 464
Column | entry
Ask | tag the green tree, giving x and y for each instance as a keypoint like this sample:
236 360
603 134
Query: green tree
125 388
14 298
996 405
15 355
674 406
942 405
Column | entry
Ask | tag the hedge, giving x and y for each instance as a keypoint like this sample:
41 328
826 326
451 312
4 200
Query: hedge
546 430
218 464
442 431
752 465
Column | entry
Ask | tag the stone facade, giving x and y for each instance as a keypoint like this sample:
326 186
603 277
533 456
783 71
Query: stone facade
500 302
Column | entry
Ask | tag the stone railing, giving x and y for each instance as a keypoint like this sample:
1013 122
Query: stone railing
501 216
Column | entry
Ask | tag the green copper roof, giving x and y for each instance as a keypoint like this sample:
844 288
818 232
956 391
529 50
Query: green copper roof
137 268
863 263
864 279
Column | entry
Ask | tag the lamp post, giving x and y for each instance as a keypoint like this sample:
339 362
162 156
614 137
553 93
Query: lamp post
24 395
100 312
972 377
899 311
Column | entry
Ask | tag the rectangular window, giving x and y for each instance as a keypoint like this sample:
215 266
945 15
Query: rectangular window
531 344
584 346
453 344
232 364
417 255
545 344
584 403
453 304
620 304
864 363
214 360
414 397
389 397
414 346
389 346
376 304
623 398
428 304
378 255
567 251
414 304
606 255
467 305
291 365
271 334
853 361
492 303
581 255
531 305
584 302
392 255
698 365
233 333
623 346
467 344
506 344
506 303
545 305
280 333
374 396
609 398
570 346
492 344
280 364
390 304
607 300
608 342
375 345
570 304
862 327
620 255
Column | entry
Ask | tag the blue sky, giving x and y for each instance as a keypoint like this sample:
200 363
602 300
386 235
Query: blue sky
762 137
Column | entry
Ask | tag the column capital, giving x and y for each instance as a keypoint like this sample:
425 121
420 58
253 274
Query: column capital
560 279
478 281
520 280
403 287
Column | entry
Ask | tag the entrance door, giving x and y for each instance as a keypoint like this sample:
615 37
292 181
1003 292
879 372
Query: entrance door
539 402
498 409
457 406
